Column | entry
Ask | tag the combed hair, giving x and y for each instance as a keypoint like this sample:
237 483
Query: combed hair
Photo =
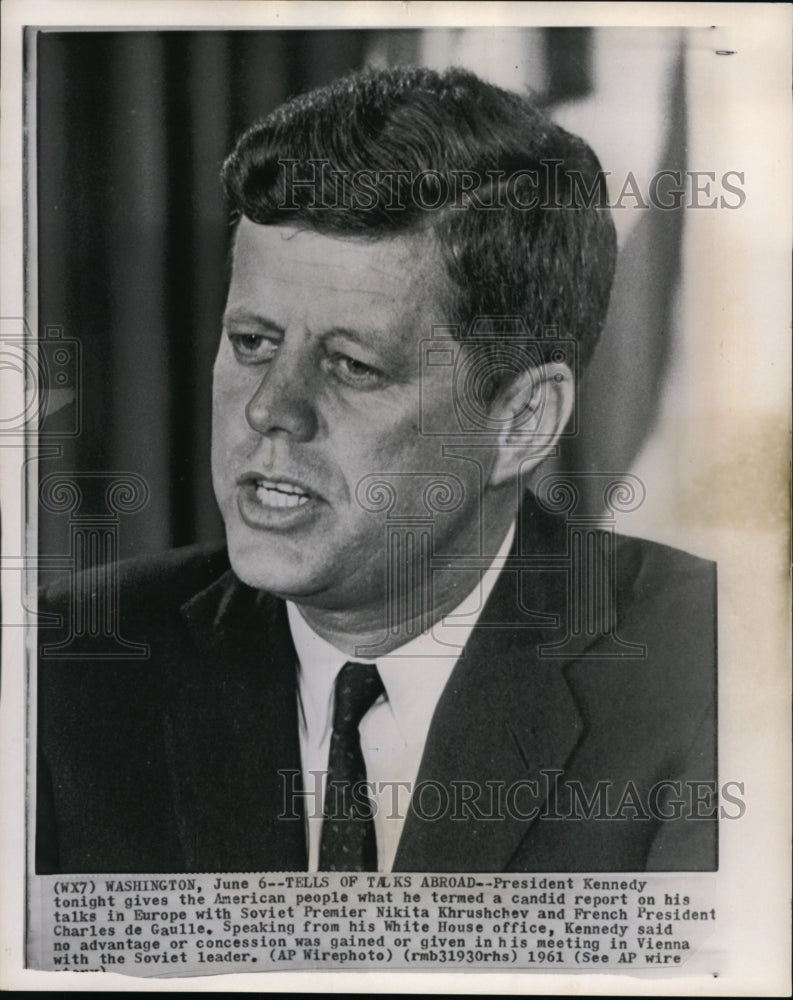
551 265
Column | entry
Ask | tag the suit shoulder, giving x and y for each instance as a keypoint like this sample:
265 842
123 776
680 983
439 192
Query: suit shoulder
170 577
666 601
653 565
111 629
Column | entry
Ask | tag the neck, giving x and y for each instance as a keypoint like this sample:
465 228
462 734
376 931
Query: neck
428 596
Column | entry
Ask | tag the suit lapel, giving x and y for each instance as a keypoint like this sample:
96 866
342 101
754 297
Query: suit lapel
505 722
231 734
506 717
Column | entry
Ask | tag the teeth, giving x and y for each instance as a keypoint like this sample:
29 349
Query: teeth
281 487
281 495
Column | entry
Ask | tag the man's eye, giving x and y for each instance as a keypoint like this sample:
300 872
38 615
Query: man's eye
252 348
354 372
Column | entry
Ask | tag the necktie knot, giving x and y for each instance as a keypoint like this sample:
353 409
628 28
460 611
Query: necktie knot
358 686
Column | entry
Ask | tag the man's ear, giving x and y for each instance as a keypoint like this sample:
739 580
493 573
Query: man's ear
532 411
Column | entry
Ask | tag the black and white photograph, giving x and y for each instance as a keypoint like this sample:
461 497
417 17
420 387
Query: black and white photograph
397 528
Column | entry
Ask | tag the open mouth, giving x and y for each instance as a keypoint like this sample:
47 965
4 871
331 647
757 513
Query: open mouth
270 503
280 494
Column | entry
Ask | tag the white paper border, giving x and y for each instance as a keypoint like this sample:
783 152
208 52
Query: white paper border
753 368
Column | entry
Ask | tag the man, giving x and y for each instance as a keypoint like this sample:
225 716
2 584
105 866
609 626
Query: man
404 660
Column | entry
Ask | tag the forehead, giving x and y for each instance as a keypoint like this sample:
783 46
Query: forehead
298 272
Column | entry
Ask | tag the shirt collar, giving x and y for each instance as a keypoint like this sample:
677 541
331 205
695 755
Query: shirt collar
413 675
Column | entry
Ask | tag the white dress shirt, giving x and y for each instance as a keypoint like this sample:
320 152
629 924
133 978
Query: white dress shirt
394 730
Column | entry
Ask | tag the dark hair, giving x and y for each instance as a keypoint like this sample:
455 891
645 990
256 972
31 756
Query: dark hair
376 153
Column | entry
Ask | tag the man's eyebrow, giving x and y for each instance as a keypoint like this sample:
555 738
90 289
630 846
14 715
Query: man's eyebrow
363 337
247 318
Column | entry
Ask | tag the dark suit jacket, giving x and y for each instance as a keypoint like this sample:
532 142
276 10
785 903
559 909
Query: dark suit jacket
171 764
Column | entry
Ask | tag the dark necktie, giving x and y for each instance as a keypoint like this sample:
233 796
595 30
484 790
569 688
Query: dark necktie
348 841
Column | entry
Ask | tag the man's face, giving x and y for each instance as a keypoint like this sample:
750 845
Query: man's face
316 385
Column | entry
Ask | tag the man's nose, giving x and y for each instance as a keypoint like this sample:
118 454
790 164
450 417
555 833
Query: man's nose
283 400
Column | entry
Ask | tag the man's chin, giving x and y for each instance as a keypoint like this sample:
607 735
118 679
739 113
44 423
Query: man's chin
271 567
